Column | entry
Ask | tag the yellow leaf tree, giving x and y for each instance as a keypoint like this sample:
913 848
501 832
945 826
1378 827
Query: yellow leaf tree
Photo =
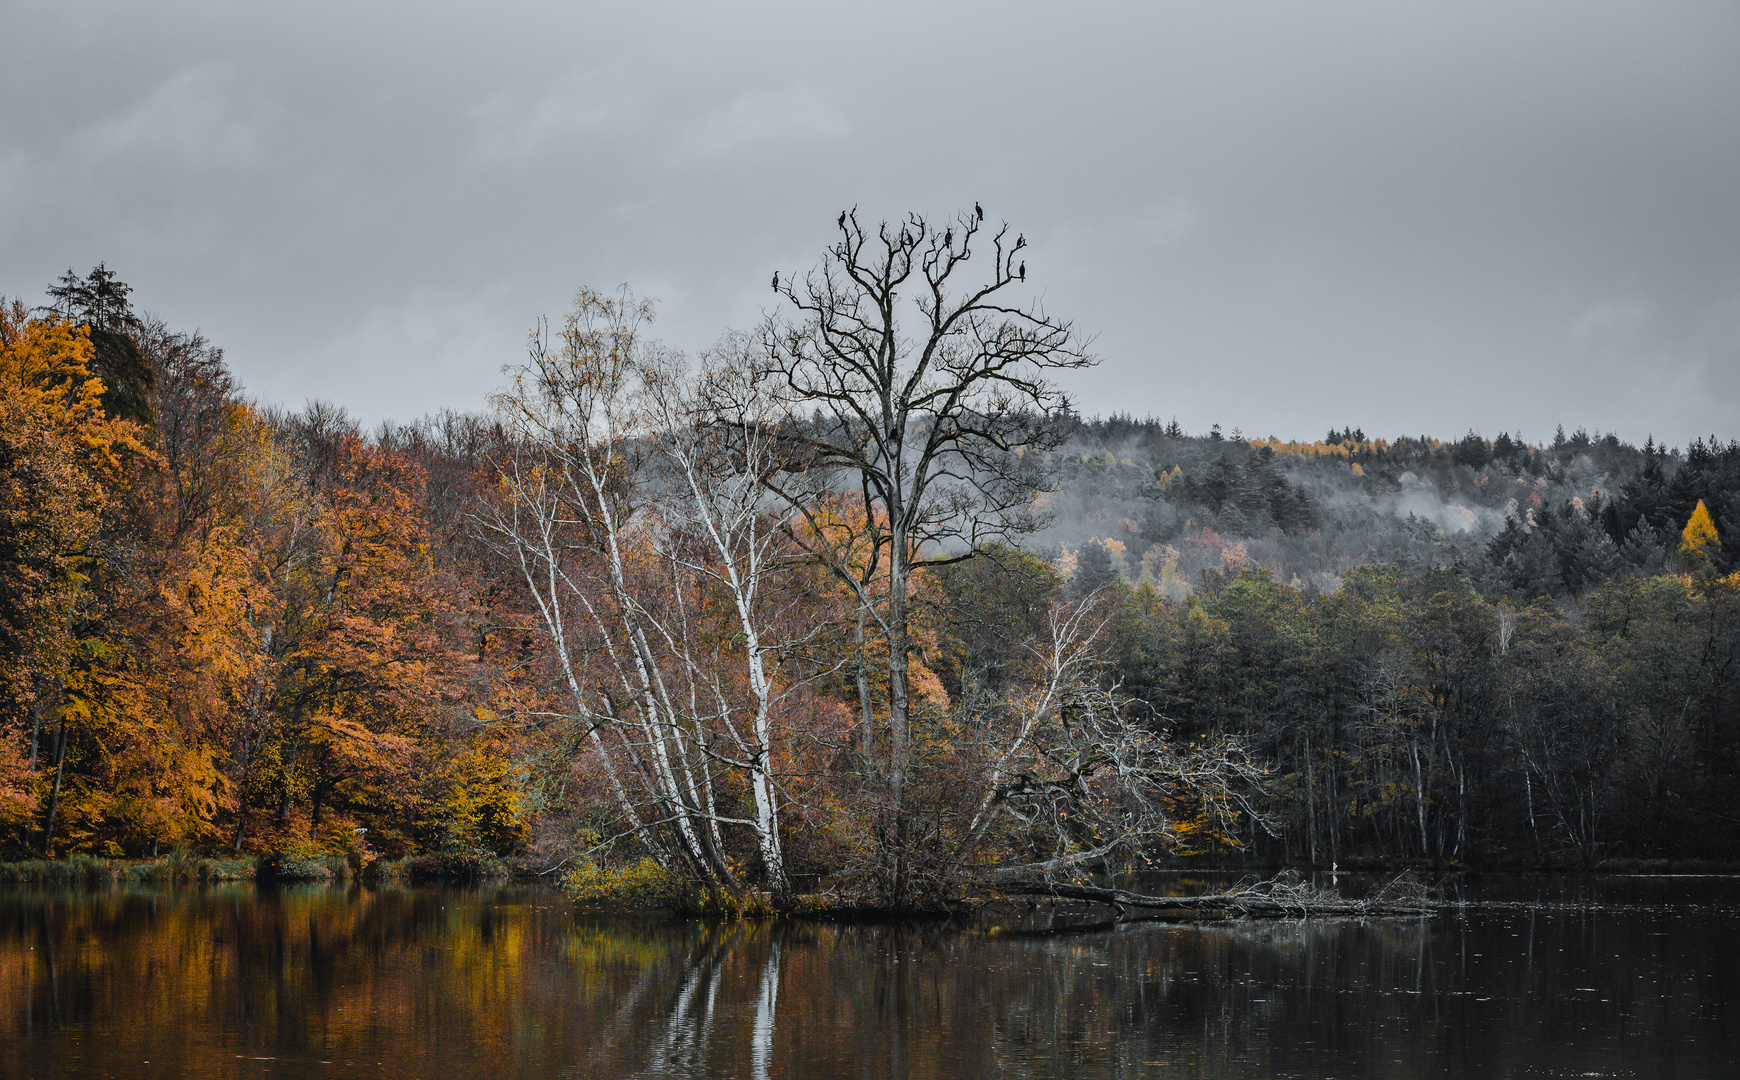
62 461
1699 541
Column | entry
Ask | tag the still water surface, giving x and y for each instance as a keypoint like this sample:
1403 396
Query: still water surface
235 981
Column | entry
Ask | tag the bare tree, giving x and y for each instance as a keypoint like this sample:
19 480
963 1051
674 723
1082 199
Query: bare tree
570 506
926 381
719 443
636 495
1071 779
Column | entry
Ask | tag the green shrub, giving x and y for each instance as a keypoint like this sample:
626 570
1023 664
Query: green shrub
226 869
389 871
302 860
173 868
465 864
75 870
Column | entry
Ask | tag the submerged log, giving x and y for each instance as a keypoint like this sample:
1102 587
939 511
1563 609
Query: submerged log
1268 899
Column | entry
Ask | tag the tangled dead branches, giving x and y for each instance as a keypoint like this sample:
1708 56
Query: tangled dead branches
1280 897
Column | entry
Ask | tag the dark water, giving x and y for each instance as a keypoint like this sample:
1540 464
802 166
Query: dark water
231 981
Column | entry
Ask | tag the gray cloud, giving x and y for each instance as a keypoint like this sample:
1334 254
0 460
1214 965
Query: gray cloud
1413 218
760 123
515 128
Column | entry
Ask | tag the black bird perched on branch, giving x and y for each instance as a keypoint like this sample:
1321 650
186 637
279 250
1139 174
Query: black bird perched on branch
948 238
979 210
1020 241
1022 273
776 281
842 219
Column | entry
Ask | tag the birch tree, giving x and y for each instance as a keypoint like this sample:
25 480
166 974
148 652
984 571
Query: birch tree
635 496
719 444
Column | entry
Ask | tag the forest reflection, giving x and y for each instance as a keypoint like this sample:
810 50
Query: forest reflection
230 981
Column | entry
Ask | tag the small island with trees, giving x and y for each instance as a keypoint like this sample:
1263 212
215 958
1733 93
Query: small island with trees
850 611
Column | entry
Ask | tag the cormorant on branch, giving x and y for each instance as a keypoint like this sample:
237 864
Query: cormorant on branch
979 210
842 219
1020 241
776 281
949 238
1022 273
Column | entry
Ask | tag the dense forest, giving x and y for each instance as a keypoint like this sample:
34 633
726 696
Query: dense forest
694 618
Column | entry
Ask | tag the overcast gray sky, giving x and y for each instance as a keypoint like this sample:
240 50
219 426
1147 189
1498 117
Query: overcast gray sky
1273 216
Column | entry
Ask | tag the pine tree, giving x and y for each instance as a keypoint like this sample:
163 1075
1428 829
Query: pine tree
1644 497
1094 569
99 303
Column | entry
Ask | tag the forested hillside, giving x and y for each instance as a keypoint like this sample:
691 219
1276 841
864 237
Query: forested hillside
1552 519
638 610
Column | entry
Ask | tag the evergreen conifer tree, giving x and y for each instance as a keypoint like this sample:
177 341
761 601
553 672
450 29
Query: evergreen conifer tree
1094 569
99 303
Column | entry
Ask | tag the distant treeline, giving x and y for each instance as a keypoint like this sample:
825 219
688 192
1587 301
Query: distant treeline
1554 519
1428 716
1490 650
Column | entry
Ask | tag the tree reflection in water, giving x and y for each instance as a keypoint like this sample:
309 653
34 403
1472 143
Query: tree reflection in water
500 983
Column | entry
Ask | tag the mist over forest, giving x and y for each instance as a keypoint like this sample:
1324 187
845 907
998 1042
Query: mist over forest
642 620
1531 520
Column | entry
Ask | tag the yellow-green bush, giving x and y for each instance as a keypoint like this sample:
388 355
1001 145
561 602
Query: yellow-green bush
644 884
647 885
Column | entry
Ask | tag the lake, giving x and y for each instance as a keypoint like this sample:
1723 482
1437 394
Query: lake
1608 976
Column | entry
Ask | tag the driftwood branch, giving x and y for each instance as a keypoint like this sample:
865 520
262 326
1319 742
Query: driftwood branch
1268 899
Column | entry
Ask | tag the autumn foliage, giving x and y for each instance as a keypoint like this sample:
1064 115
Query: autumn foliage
1698 540
223 628
642 621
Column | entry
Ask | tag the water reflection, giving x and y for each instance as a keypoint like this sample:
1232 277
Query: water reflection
227 981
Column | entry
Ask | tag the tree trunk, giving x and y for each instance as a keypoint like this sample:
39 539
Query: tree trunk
866 713
1534 830
1310 803
54 796
898 646
1335 786
35 731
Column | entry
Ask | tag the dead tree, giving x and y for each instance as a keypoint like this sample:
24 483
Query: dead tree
1276 898
920 379
1071 781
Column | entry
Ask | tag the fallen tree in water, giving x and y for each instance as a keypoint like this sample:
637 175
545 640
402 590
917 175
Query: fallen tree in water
1282 897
